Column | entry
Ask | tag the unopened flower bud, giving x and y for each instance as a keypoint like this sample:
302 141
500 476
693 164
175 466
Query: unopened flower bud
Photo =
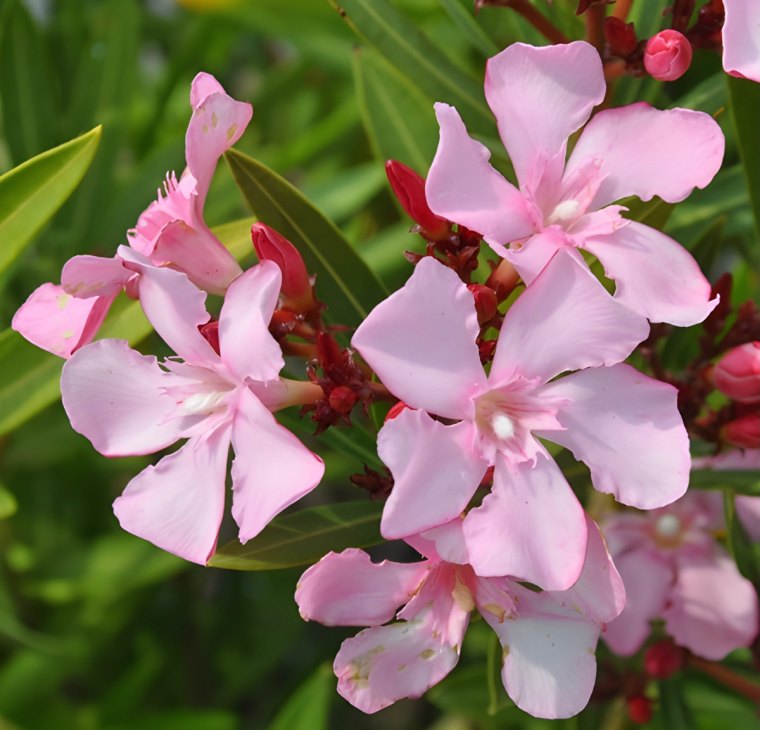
737 375
620 36
639 709
503 280
743 432
395 410
667 56
273 246
409 188
210 332
663 659
341 399
485 302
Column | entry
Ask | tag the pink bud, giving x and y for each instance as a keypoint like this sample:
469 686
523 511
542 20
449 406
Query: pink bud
395 410
273 246
737 375
639 709
409 188
744 431
667 56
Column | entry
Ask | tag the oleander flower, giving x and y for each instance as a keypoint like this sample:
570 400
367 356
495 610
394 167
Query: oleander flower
741 39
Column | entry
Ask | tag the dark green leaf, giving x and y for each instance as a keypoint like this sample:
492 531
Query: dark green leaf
309 707
304 537
462 13
674 712
739 543
344 282
742 482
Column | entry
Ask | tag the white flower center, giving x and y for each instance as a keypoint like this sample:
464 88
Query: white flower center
668 526
565 212
199 404
503 426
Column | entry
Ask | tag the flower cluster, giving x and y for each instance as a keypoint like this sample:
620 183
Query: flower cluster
493 380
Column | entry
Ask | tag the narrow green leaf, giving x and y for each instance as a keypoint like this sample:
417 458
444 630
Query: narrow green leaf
404 46
309 706
464 16
399 119
739 543
32 192
304 537
745 109
654 213
742 482
344 282
674 712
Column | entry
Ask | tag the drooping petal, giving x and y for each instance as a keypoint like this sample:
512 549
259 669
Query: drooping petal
94 276
421 342
272 468
175 308
647 579
741 39
463 187
549 655
655 275
540 96
713 608
58 322
627 429
435 469
197 253
531 526
218 122
248 349
565 320
118 399
178 503
348 589
599 592
645 152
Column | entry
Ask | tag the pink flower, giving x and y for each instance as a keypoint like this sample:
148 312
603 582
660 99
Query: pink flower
741 39
549 639
673 569
171 232
127 404
667 56
625 426
540 96
737 374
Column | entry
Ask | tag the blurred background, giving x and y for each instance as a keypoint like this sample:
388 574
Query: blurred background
99 630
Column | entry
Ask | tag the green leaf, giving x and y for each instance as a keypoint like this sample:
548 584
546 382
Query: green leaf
654 213
674 713
32 192
404 46
302 538
742 482
344 282
399 120
308 708
739 543
745 109
463 15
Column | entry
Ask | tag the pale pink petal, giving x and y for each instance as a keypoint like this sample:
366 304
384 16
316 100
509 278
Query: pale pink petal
58 322
627 429
197 253
178 503
203 85
647 579
565 320
445 542
435 470
741 39
463 187
712 609
549 664
248 349
384 664
175 307
531 527
348 589
531 256
599 592
94 276
272 468
655 275
540 96
421 342
218 122
748 511
645 152
120 400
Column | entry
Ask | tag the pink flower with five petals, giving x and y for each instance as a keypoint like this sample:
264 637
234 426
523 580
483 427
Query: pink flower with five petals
741 39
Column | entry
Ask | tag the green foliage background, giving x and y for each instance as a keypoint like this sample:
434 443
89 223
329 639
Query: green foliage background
101 631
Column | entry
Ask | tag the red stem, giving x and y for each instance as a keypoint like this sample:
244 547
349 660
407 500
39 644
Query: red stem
727 677
537 19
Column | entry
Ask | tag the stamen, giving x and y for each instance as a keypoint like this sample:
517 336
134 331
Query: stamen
565 212
668 525
202 403
503 426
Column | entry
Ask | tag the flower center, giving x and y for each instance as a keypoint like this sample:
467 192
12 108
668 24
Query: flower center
503 426
667 526
203 404
565 212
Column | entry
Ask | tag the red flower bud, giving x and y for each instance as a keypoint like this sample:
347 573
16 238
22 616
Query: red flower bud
273 246
667 55
485 302
737 375
409 188
503 280
210 332
620 36
639 709
342 399
743 432
663 659
395 410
